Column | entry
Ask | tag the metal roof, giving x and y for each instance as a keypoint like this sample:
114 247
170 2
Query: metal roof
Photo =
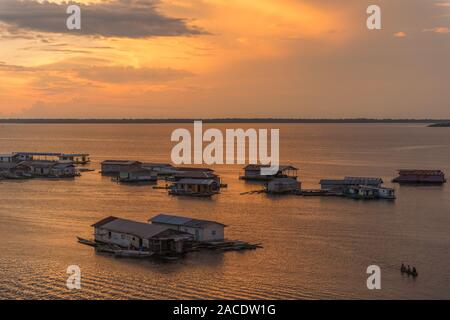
352 181
185 169
196 181
195 175
48 154
139 229
74 154
120 162
182 221
254 167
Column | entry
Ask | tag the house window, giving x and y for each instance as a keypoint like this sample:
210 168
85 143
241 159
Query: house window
109 234
213 232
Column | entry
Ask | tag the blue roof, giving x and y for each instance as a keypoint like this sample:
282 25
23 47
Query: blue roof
181 221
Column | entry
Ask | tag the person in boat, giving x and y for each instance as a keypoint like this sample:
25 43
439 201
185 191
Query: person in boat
403 268
408 271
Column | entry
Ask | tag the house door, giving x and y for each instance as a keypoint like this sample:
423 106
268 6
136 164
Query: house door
140 243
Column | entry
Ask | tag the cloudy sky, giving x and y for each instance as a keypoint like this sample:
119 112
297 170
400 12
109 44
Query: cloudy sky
225 58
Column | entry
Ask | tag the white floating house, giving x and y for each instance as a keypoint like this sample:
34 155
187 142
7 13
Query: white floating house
116 166
340 185
202 230
138 235
368 192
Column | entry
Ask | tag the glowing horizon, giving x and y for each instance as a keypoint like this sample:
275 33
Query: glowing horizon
217 58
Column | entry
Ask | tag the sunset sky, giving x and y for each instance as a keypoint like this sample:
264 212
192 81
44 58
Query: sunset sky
225 58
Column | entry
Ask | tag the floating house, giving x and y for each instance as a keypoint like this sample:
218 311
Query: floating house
195 187
161 169
114 167
77 158
421 176
367 192
15 170
137 175
195 175
9 158
253 172
64 170
283 185
202 230
51 169
140 236
340 185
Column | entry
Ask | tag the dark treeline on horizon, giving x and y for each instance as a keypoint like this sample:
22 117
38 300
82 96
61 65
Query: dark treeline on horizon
217 120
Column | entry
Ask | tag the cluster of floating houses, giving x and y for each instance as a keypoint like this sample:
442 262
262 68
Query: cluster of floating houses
204 182
26 165
170 235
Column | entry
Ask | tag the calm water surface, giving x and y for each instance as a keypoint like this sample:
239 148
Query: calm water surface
314 248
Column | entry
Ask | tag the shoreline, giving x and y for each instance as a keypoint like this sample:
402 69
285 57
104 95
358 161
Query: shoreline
227 120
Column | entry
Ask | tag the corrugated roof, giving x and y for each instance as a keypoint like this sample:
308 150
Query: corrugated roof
182 221
120 162
139 229
196 181
195 175
352 181
254 167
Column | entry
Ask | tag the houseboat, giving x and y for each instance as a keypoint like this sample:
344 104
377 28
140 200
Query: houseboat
114 167
340 185
195 187
135 175
283 186
139 236
201 230
252 172
368 192
421 177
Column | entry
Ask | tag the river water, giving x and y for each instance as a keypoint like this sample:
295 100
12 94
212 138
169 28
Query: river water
314 248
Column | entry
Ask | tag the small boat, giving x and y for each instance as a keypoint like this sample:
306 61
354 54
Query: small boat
412 273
